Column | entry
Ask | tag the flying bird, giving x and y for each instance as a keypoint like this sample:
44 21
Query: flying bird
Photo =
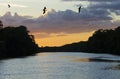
79 9
9 6
44 10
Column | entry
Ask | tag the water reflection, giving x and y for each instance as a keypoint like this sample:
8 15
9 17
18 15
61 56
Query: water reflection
42 54
95 60
116 67
61 66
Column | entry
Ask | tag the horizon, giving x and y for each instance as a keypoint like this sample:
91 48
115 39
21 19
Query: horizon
61 24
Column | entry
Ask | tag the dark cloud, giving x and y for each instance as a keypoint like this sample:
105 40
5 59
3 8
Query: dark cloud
95 16
62 21
94 0
111 5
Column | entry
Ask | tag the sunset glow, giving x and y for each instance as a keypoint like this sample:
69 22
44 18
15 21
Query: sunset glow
62 23
62 40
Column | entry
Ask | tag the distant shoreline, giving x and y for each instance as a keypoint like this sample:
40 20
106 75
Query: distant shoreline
16 42
105 41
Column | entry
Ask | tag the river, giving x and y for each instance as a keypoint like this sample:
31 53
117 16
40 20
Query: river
62 65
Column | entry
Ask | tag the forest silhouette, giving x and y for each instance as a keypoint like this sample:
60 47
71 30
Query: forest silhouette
102 41
16 42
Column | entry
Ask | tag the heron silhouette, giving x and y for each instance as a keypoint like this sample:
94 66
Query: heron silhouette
79 9
9 6
44 10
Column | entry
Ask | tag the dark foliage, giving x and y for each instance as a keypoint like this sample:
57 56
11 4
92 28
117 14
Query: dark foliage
106 41
102 41
16 42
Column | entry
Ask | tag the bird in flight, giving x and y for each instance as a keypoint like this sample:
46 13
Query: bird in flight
79 9
44 10
9 6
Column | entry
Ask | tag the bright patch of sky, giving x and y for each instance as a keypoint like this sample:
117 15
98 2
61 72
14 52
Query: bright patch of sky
64 19
34 7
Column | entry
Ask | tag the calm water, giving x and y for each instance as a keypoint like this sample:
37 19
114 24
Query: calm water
62 66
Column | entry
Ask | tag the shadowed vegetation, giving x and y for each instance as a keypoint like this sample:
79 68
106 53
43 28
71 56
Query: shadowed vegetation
102 41
16 42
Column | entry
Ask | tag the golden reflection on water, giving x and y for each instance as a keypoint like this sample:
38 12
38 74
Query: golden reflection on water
95 60
42 54
82 60
76 59
46 57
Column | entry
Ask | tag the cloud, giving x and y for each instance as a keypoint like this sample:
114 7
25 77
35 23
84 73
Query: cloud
93 0
112 5
14 5
18 5
60 23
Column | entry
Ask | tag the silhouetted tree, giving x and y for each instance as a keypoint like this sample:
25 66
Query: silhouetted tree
102 41
18 42
1 24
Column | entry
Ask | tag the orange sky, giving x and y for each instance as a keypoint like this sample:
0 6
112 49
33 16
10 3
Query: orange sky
61 40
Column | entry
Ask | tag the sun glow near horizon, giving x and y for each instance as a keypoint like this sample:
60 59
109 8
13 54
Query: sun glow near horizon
62 40
61 24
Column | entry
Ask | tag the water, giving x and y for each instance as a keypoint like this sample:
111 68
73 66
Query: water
62 66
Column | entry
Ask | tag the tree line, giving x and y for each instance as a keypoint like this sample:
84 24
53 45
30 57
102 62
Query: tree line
102 41
16 42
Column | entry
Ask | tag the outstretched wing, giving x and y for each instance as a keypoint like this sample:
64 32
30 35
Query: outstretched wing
79 9
44 10
9 6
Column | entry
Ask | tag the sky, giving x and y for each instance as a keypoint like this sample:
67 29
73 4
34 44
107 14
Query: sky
62 24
